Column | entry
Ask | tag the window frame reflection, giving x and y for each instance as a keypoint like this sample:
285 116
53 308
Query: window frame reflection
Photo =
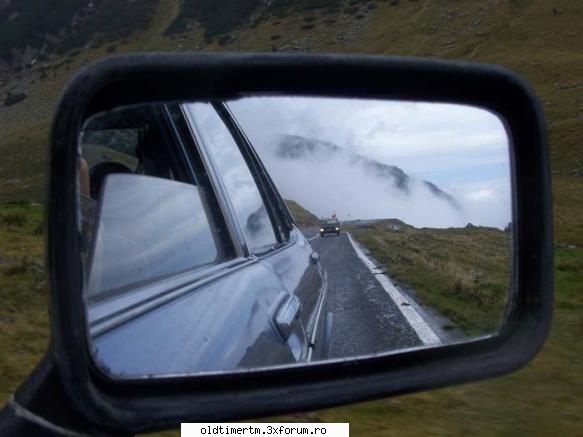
246 169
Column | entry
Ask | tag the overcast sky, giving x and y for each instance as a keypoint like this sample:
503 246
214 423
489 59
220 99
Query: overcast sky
461 149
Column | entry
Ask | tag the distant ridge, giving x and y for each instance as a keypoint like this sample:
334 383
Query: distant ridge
293 147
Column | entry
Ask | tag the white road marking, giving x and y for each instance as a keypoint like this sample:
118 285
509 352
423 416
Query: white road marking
419 325
311 238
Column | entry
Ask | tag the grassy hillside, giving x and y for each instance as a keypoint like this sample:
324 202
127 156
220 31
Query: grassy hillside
464 273
540 39
303 217
23 300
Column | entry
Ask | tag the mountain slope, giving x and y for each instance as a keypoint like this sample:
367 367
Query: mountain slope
295 147
303 217
540 40
32 30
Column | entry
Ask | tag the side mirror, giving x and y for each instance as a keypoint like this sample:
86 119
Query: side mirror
206 233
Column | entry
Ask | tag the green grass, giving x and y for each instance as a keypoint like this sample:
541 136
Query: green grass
23 294
463 273
303 217
568 209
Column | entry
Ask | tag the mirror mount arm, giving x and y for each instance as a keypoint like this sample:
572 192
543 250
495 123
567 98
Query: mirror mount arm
40 406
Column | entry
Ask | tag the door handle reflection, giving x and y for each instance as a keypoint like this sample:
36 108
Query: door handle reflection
285 316
315 258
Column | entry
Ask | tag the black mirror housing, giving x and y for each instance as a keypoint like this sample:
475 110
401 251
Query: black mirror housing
150 404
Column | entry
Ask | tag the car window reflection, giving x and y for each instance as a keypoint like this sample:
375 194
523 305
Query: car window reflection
237 177
143 217
148 228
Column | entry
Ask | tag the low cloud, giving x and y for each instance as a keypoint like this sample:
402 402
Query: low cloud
461 150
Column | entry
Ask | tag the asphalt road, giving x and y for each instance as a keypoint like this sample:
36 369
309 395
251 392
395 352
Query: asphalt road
365 318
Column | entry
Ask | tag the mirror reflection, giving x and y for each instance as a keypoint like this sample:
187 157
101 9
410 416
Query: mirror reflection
266 231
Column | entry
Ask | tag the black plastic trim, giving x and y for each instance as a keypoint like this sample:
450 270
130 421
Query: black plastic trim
139 406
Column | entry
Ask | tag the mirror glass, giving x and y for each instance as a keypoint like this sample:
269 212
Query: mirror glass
227 236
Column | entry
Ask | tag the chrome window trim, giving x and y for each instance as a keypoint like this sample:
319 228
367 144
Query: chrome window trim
105 315
315 323
233 225
267 188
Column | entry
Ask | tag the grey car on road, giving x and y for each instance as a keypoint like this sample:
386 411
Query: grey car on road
329 226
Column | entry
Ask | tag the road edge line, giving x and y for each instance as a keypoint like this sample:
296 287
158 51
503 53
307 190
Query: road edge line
415 320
